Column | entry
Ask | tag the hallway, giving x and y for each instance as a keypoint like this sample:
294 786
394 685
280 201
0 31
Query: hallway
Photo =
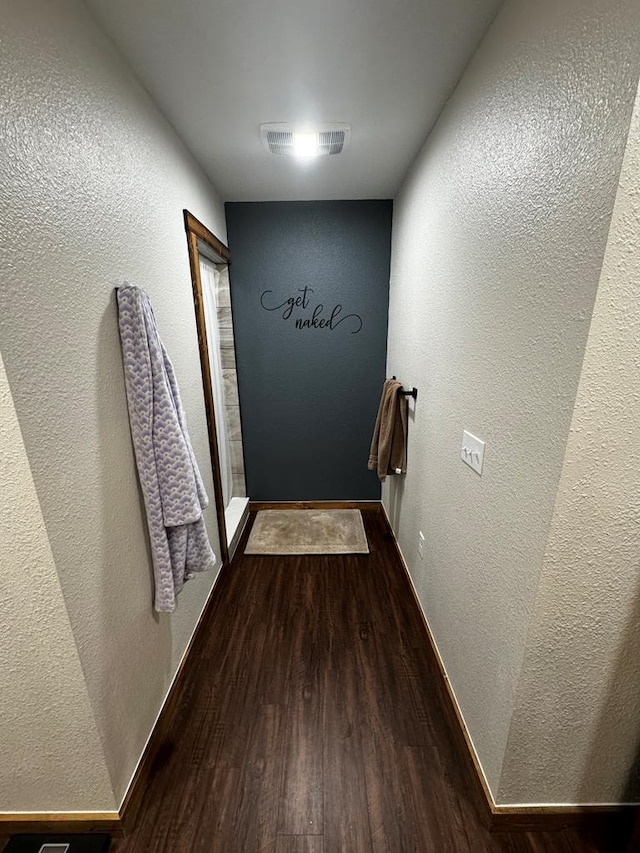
311 724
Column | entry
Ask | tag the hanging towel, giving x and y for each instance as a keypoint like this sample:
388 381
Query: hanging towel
388 454
173 491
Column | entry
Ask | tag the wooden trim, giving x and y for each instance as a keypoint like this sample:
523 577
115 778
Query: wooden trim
134 796
549 818
207 385
58 822
194 226
256 506
497 818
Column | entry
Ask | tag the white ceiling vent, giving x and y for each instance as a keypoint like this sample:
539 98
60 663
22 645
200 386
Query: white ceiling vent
285 139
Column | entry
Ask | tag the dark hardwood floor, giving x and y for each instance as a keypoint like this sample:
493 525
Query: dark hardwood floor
314 724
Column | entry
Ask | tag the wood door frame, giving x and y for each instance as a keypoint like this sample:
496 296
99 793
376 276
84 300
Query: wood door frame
197 231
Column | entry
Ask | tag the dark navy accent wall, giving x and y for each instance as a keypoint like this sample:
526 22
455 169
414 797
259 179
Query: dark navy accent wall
310 301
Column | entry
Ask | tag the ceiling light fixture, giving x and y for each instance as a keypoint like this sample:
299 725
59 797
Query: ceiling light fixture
305 145
281 138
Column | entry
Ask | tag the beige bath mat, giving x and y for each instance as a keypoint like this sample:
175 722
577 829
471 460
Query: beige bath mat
308 531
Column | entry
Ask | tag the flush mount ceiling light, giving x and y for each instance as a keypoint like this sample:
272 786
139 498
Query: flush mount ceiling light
281 139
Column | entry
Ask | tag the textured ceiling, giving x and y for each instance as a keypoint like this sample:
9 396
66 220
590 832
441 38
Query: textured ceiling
220 69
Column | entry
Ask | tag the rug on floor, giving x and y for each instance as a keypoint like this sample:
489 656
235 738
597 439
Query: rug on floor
307 531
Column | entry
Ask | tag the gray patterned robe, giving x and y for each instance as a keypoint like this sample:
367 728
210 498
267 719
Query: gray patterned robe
173 491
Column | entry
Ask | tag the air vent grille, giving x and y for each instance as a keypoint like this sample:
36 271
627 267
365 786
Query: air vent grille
331 141
280 141
278 138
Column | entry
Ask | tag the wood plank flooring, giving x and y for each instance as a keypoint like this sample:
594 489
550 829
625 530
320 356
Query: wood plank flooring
313 724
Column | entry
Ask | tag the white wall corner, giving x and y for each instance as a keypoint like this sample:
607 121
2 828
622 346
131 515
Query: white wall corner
575 732
51 756
499 235
100 180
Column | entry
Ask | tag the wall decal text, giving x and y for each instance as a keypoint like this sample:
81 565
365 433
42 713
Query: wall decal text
317 319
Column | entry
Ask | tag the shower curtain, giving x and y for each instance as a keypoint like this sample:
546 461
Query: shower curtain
209 277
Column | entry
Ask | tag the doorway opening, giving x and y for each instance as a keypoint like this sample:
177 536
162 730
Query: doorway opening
209 261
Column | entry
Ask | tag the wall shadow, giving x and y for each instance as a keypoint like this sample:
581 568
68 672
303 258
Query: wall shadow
620 715
396 494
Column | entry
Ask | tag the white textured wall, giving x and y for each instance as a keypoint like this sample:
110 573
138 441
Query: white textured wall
499 235
92 186
575 734
46 720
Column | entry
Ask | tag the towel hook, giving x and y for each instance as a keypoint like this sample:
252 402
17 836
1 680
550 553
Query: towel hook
413 393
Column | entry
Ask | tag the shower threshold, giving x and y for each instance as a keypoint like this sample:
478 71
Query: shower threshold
235 518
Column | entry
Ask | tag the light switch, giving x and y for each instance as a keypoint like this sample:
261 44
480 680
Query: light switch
472 451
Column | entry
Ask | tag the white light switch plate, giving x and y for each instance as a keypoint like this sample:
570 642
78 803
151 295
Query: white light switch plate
472 451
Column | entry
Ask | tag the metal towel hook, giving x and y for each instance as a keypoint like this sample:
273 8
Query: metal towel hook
413 393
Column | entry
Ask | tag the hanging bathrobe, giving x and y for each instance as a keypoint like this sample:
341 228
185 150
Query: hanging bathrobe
173 491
